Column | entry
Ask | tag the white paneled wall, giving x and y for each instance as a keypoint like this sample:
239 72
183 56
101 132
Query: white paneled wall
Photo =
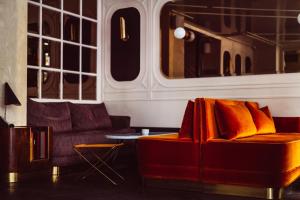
154 101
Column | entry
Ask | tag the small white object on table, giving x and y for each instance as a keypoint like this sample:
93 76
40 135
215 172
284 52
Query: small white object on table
133 136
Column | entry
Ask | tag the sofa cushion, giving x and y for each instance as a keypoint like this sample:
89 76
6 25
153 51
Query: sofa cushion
55 115
260 160
262 119
89 116
186 129
234 121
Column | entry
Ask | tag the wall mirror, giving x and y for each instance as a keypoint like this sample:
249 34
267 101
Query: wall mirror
212 38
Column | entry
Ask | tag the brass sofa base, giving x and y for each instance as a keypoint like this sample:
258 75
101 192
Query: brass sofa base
219 189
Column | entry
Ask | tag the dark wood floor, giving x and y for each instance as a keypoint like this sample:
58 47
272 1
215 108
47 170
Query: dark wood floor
71 187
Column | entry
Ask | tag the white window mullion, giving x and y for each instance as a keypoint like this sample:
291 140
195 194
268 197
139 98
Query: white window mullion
61 41
61 50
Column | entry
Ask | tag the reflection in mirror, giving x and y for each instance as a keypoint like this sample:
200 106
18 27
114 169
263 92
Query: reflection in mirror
50 84
89 60
89 8
33 19
32 83
51 23
71 6
71 28
54 3
89 35
88 87
50 54
230 38
32 51
71 86
70 57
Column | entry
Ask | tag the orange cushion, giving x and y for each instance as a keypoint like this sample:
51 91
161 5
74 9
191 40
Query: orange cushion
262 119
186 129
234 121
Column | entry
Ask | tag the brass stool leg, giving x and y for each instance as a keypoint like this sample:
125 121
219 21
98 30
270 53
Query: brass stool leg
95 167
55 173
12 177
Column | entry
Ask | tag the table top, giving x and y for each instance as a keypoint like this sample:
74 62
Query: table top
97 145
132 136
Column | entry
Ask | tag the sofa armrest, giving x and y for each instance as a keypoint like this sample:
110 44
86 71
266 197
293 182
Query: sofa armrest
287 124
120 122
168 157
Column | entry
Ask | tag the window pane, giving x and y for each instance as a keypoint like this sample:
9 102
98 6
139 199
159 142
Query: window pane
88 87
89 8
32 83
71 28
32 51
50 84
51 54
33 19
89 60
71 86
71 6
54 3
125 53
89 34
51 23
71 57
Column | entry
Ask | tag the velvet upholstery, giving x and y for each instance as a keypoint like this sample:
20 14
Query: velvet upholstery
56 115
89 116
262 119
186 129
234 121
261 160
90 124
168 157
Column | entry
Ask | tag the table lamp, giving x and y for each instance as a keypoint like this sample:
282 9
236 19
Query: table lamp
9 98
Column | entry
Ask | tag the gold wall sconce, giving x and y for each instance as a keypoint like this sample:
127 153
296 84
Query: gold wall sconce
123 34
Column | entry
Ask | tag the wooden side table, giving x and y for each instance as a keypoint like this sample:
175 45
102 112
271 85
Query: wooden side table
24 149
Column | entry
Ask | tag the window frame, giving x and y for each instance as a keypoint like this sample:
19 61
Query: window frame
62 41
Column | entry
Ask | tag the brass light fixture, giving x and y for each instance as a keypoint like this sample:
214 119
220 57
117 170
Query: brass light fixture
182 33
123 34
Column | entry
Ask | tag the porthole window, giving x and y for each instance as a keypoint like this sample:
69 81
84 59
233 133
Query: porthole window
125 44
248 65
238 65
226 63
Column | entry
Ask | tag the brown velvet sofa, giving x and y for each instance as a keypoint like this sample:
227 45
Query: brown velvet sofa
198 153
75 124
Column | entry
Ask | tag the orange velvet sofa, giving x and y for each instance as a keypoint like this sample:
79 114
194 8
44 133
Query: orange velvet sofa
198 153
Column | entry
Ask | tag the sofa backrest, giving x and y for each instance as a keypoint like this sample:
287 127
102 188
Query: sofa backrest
66 116
205 124
89 116
55 115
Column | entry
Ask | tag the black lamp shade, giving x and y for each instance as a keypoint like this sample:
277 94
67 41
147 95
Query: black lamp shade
10 97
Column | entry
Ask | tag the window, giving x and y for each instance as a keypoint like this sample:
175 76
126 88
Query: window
125 44
238 64
62 49
248 65
226 63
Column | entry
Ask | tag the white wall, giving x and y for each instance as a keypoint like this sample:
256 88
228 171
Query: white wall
13 57
154 101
